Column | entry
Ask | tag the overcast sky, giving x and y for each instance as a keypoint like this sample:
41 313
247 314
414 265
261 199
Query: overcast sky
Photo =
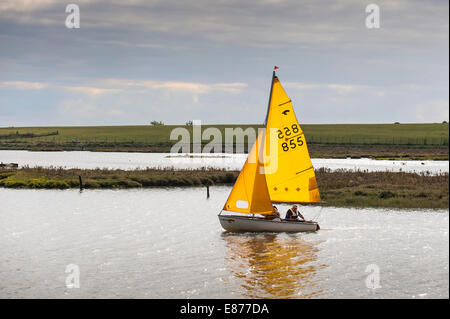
135 61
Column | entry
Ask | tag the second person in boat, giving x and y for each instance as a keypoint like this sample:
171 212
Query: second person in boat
293 214
275 216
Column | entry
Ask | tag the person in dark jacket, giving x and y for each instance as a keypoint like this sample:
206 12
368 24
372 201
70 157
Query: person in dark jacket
294 214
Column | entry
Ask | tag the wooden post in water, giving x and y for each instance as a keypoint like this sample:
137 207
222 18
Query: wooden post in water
81 182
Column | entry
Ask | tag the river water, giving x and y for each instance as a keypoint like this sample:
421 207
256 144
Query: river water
144 244
130 161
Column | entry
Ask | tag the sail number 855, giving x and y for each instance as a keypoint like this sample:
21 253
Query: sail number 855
294 141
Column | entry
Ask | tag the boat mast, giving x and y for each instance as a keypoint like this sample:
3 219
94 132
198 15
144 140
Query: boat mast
270 97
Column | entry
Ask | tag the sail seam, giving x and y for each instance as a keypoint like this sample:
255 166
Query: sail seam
291 178
304 170
290 138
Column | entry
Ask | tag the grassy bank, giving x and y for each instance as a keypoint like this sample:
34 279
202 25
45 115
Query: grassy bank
415 141
338 188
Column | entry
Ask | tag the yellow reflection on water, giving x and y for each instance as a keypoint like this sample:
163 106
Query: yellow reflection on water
272 265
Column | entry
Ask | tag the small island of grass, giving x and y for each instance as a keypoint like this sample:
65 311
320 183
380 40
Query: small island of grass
341 188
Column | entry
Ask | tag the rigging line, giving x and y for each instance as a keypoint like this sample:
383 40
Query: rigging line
270 97
316 218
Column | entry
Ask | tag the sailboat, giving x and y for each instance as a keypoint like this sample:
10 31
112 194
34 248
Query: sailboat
260 185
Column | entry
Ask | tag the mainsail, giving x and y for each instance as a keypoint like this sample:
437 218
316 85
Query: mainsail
294 179
250 194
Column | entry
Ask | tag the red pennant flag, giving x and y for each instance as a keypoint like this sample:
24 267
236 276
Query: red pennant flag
275 67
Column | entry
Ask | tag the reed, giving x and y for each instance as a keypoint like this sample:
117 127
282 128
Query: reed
383 189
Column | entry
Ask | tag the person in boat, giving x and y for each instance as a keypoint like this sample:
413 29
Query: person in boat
294 214
275 214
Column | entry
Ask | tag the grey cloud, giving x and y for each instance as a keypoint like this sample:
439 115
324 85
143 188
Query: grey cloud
369 75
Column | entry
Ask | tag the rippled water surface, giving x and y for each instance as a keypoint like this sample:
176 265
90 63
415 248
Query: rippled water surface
122 160
168 243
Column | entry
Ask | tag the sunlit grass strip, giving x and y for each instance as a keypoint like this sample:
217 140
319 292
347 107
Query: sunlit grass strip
147 135
338 188
39 177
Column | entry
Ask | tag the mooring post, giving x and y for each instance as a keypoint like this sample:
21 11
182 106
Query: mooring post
81 182
207 191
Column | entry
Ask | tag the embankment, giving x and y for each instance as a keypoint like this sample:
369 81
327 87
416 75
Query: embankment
337 188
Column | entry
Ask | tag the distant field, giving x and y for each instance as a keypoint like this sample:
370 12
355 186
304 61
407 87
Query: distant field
325 140
396 134
402 134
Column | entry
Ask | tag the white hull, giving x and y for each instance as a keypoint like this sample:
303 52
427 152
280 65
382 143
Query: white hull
255 224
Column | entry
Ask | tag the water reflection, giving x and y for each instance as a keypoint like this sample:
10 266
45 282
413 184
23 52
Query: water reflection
126 248
272 265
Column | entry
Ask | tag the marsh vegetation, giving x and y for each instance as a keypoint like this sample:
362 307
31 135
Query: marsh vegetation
341 188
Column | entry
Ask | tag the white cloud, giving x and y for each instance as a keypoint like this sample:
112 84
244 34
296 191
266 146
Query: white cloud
90 90
118 85
25 85
192 87
25 5
340 88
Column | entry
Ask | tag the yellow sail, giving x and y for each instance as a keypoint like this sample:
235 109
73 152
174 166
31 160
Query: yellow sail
294 179
249 193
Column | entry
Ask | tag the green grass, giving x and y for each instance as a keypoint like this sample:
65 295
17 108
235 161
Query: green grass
338 188
51 178
396 134
406 134
378 141
383 189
